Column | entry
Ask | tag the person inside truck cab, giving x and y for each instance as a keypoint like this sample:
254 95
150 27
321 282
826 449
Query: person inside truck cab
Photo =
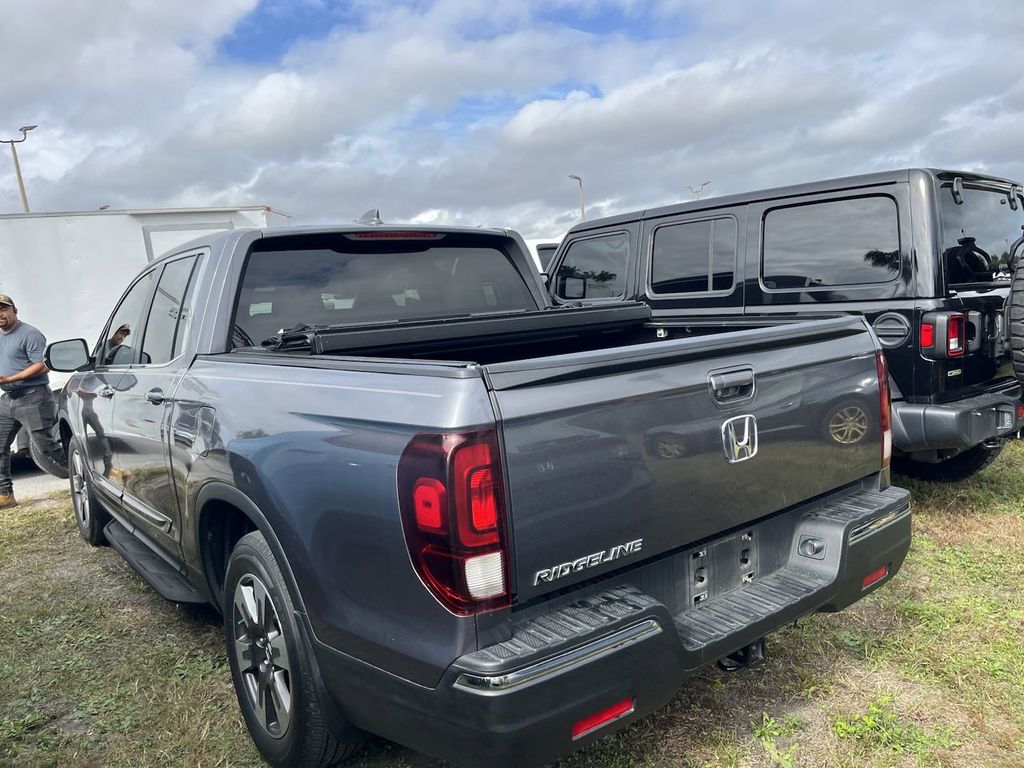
114 351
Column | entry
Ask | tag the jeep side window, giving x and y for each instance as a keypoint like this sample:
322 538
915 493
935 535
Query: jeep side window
853 241
694 257
594 268
977 233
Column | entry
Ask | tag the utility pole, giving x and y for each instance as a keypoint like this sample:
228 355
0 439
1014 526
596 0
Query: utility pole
696 192
17 166
583 216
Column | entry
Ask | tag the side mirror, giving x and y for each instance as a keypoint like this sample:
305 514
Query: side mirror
574 288
67 356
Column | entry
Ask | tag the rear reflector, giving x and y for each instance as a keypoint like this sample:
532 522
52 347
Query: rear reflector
1020 411
875 576
605 716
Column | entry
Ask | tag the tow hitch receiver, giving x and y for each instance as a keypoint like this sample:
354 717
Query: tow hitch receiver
752 655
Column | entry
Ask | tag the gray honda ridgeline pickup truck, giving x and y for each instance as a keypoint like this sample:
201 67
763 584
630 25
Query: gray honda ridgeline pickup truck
434 507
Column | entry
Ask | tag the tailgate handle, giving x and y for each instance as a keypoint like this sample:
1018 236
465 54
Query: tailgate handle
732 386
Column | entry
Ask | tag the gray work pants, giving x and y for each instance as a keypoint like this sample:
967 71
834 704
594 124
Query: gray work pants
36 410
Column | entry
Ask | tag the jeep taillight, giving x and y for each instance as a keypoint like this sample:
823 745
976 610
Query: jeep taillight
452 501
886 405
956 337
943 335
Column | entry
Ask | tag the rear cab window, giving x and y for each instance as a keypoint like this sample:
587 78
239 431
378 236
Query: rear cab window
354 278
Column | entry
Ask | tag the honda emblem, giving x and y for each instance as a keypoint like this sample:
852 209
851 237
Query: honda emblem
739 438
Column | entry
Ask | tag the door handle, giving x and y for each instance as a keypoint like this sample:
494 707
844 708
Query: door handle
155 396
107 392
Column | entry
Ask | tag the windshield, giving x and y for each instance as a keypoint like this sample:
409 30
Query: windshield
341 280
977 233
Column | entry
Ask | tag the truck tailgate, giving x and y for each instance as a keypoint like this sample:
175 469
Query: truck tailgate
618 455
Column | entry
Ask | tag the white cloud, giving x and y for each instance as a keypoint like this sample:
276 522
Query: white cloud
466 111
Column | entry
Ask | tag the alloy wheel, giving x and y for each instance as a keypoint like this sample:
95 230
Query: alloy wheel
261 652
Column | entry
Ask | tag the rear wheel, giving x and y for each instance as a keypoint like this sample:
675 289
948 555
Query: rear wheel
89 515
270 667
959 467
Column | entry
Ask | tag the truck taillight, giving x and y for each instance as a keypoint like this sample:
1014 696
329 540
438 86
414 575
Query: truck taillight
452 500
886 406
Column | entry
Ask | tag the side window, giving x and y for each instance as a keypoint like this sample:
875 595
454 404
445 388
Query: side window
116 348
594 268
694 257
838 242
168 317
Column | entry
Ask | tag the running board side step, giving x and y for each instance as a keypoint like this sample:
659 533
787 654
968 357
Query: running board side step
157 572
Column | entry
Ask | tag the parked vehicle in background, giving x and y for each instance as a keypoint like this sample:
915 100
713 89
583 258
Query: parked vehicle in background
427 501
544 253
925 255
68 268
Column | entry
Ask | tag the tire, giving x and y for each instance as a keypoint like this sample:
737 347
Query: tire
846 423
1016 313
959 467
267 652
90 516
47 464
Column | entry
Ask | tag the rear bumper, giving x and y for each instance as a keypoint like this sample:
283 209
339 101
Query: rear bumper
515 703
962 424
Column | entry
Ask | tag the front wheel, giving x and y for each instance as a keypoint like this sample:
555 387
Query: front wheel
959 467
89 515
270 668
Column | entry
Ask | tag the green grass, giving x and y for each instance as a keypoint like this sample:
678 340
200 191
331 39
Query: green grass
97 670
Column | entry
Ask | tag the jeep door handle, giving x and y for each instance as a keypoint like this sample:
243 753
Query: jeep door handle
155 396
106 392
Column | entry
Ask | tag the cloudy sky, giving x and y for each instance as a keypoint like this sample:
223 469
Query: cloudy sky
475 111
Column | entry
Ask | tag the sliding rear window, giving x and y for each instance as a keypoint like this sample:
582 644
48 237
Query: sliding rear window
362 277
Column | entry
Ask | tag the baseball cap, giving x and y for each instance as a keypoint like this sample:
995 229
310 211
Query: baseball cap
5 299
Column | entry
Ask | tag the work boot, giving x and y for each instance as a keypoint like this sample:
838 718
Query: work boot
8 500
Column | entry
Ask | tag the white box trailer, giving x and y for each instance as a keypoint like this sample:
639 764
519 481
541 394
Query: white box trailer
67 270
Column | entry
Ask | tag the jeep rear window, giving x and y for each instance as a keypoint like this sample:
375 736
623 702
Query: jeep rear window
977 233
838 242
339 280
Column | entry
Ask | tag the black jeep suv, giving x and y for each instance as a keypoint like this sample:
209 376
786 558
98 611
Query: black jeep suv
928 256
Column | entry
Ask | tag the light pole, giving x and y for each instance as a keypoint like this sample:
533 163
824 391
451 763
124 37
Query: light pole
17 166
696 192
583 216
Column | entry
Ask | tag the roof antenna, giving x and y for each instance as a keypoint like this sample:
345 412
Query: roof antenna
371 217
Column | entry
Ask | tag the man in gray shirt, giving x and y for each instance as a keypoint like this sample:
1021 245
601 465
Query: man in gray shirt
27 400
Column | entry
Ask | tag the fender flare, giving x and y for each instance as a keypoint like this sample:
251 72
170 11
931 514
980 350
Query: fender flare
217 490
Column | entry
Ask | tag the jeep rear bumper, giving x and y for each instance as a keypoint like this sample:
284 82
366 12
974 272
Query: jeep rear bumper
516 703
957 425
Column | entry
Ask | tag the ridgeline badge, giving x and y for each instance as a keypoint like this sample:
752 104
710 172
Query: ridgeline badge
547 575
